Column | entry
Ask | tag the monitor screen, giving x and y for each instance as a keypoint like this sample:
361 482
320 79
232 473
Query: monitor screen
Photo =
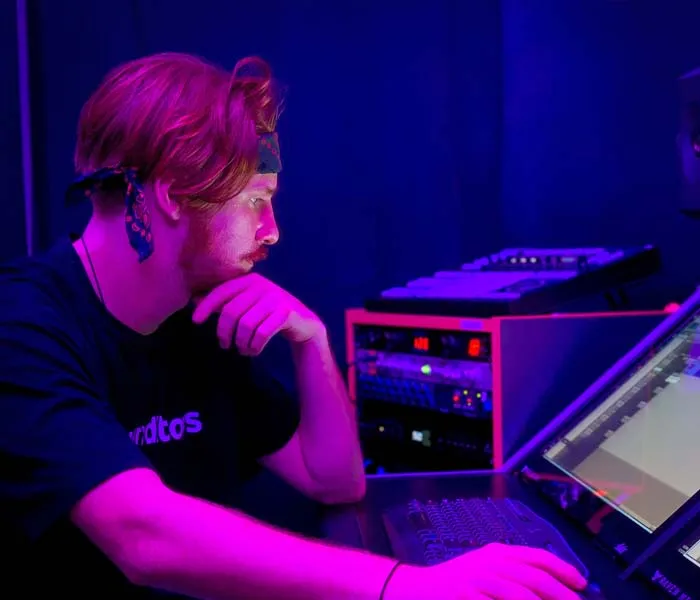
675 567
691 549
637 448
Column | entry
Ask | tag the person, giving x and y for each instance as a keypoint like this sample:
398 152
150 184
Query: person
132 405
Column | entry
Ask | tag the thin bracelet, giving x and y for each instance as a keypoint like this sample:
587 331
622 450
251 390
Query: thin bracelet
388 579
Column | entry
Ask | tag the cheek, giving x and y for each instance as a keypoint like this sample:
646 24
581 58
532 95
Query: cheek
232 233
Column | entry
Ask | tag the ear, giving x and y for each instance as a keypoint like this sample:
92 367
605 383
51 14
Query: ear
169 207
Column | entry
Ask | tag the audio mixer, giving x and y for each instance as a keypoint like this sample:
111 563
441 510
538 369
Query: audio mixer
519 281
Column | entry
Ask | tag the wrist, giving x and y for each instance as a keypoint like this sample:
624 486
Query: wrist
317 339
406 583
359 576
387 581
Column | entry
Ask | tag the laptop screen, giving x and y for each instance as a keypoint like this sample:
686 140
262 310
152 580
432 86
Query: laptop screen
637 449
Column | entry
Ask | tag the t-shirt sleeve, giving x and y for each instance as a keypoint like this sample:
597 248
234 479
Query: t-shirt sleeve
58 438
270 414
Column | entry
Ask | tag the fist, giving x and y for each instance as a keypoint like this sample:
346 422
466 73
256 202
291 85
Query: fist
252 310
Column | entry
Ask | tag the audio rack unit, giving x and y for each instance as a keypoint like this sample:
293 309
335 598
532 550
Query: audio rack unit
442 393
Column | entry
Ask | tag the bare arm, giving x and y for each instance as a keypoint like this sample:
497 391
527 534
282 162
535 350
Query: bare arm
162 539
324 458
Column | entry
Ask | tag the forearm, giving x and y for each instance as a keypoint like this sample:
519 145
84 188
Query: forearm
205 551
328 430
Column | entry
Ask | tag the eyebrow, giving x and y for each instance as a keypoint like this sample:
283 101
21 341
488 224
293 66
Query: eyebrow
269 190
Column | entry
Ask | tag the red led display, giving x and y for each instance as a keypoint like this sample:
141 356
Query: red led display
421 343
474 347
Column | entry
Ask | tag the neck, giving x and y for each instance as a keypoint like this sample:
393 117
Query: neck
140 295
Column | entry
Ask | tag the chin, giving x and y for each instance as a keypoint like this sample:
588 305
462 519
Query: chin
241 268
205 277
232 271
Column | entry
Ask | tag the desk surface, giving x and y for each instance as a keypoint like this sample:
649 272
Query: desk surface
362 526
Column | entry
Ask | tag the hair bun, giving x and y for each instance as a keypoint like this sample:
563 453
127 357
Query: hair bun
252 77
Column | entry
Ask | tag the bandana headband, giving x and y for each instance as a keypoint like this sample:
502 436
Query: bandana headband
269 153
138 216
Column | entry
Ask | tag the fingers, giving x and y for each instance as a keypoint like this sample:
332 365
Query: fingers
472 594
250 310
248 323
220 296
233 312
497 588
543 585
267 329
548 562
253 329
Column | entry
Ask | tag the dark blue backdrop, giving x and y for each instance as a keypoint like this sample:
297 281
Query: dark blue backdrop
12 235
416 136
590 121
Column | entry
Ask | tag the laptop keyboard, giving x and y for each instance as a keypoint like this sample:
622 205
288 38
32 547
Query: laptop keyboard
428 533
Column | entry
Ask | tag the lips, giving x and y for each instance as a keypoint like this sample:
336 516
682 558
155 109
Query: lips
259 254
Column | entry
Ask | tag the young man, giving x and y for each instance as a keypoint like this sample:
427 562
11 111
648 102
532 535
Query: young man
131 407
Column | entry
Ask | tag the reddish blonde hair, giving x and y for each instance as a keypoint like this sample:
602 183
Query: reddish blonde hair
180 119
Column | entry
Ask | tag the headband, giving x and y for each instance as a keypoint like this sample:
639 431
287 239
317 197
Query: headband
138 216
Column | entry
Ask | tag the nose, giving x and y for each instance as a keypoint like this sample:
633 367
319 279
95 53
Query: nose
268 233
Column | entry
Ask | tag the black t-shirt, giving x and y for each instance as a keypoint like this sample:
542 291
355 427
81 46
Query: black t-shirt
83 398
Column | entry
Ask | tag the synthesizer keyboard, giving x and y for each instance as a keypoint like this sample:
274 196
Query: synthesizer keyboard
520 281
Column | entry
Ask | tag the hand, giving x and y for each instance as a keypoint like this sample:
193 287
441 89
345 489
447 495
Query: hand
252 310
494 572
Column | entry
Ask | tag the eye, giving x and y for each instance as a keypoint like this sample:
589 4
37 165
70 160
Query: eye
257 201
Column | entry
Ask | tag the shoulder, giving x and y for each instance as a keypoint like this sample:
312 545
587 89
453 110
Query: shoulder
28 280
37 296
